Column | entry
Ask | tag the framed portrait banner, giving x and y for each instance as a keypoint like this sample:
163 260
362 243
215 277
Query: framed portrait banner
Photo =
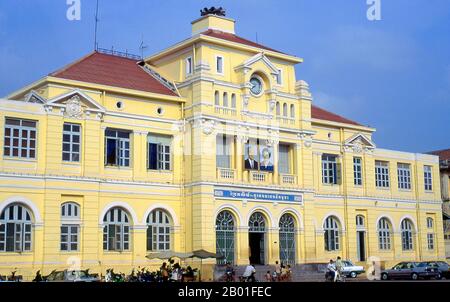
258 156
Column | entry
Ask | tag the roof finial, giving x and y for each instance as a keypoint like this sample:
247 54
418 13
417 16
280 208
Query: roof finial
213 11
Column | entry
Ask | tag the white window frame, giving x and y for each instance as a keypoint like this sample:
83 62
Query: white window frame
404 176
428 178
332 232
70 234
222 66
71 143
357 171
20 128
21 223
384 234
223 160
121 229
329 169
430 241
189 65
164 151
280 163
159 226
382 179
121 148
279 77
407 231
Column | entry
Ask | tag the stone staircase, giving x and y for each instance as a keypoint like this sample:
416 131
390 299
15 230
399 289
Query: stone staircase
300 273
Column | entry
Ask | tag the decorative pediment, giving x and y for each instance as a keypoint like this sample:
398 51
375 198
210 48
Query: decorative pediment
359 143
261 57
75 104
34 97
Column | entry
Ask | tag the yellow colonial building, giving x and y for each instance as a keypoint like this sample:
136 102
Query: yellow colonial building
209 144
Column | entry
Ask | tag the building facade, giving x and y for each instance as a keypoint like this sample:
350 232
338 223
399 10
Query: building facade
209 144
444 160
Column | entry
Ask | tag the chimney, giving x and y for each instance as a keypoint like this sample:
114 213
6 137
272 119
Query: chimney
213 18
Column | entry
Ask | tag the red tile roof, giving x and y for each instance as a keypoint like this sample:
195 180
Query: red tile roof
321 114
111 70
236 39
443 154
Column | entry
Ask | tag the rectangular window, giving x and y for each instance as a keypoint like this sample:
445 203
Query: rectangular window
283 159
189 65
219 64
20 138
71 142
404 176
382 174
330 171
159 152
428 178
357 171
117 148
69 238
430 241
280 77
223 156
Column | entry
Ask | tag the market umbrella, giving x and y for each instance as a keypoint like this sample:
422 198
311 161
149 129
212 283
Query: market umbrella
202 254
168 255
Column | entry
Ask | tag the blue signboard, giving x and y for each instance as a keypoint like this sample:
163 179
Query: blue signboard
262 196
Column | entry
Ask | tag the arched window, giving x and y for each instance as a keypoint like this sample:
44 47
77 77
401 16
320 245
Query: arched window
15 229
257 223
285 113
233 101
292 111
225 99
287 239
384 234
70 228
331 235
158 231
278 109
225 236
217 98
116 230
407 234
430 223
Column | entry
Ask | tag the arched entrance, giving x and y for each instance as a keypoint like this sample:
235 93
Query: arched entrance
257 238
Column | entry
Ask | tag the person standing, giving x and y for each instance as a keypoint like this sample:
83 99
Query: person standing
339 269
277 270
249 273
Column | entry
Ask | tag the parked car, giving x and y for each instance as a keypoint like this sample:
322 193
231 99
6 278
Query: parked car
71 276
411 270
443 267
351 270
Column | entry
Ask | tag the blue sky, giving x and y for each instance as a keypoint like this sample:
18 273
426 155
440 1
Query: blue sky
392 74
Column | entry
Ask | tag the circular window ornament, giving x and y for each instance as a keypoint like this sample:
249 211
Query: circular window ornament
256 85
119 105
160 111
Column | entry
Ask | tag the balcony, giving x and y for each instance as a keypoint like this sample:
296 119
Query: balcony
258 177
288 179
226 175
286 120
225 110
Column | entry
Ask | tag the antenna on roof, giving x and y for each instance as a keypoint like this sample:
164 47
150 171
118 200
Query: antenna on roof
96 27
257 37
142 47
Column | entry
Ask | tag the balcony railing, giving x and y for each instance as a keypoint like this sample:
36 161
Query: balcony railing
287 179
286 120
225 110
258 176
224 174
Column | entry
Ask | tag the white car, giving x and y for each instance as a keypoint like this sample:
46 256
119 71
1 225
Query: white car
351 270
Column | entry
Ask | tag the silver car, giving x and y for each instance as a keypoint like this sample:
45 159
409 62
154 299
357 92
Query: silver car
411 270
71 276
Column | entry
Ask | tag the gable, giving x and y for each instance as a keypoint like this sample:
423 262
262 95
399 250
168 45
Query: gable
34 97
76 96
261 57
360 141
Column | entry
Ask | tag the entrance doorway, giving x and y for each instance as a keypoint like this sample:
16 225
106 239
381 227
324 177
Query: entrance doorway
361 243
256 245
256 239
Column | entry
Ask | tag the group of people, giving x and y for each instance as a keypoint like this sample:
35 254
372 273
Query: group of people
168 272
335 270
282 273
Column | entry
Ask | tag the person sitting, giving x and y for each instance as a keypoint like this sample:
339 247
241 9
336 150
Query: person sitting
229 273
268 277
